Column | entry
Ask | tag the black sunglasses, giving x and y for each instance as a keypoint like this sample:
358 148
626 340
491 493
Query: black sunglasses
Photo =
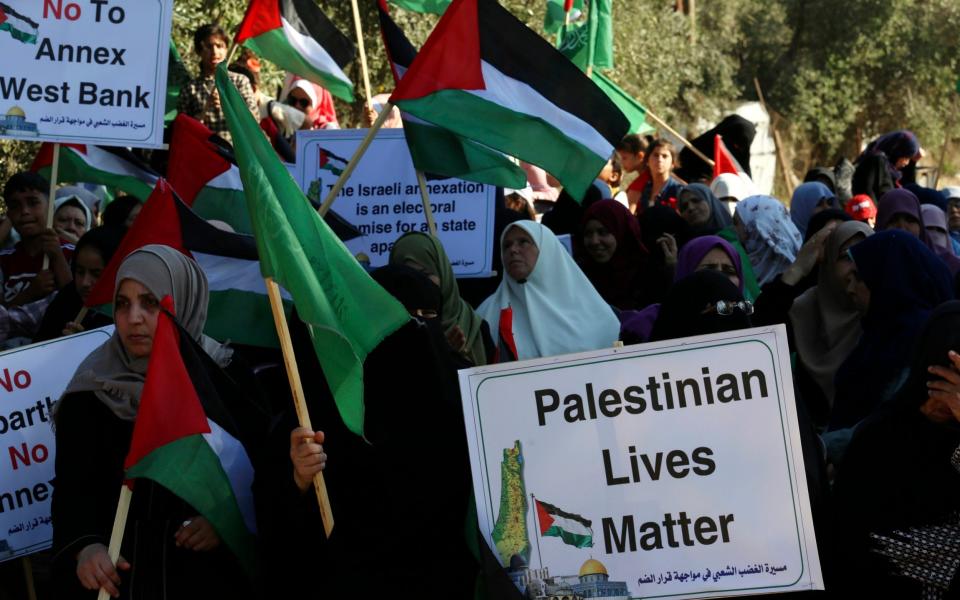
300 103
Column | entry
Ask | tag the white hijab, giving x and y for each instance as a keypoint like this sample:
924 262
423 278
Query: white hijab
557 310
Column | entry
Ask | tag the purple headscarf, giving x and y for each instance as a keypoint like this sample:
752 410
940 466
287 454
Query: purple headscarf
940 241
901 202
693 252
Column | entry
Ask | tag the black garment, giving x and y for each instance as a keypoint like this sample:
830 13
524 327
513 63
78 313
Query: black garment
872 177
63 309
91 446
737 133
689 309
823 175
399 498
820 220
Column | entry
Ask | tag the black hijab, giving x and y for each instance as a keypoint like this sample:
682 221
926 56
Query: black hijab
683 314
737 134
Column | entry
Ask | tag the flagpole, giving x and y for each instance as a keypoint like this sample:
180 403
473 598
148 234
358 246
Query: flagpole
28 578
81 315
299 401
427 207
54 175
116 536
363 54
674 133
355 159
536 529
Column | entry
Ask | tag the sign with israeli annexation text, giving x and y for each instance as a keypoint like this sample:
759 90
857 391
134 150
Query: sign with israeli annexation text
382 198
84 71
32 379
664 470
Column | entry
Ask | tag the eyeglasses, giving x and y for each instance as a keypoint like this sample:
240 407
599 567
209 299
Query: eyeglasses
726 308
300 103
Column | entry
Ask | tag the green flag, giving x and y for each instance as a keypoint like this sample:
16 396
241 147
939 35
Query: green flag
177 77
347 312
436 7
590 44
635 112
555 17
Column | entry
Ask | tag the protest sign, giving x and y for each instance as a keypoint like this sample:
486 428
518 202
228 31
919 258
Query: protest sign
382 198
84 71
32 378
671 469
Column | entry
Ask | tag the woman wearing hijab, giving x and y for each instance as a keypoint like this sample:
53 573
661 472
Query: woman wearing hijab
935 223
464 329
90 258
553 306
768 235
901 209
730 188
71 216
897 491
809 199
897 282
825 323
702 211
879 166
614 259
701 303
170 550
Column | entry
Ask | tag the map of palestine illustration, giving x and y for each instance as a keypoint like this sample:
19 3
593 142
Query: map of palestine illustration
510 530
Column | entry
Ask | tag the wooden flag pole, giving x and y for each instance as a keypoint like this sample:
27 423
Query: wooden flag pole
116 536
299 401
674 133
363 54
355 159
54 174
28 578
81 315
427 208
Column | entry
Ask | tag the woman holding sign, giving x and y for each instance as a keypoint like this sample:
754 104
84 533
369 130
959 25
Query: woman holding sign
169 549
545 305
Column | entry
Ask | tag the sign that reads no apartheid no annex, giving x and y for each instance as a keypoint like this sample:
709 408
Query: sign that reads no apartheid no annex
32 379
84 71
671 469
382 198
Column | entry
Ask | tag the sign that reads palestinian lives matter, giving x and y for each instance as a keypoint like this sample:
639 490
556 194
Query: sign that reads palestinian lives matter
382 198
32 379
671 469
84 71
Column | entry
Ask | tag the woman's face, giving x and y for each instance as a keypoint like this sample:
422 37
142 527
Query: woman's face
135 313
87 267
857 291
905 222
519 253
660 161
71 219
696 211
718 260
299 99
843 268
740 228
953 214
599 242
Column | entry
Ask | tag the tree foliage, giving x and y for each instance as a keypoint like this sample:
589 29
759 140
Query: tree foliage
837 73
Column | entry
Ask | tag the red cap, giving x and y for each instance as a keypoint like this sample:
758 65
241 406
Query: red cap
861 207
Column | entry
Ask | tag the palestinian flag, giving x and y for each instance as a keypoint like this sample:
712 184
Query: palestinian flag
635 112
485 76
435 150
569 527
725 162
204 174
331 162
297 37
113 167
347 312
20 27
185 440
239 309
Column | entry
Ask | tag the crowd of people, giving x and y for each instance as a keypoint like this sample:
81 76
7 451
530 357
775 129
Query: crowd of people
862 269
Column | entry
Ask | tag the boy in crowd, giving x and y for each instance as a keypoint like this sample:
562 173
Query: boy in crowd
22 278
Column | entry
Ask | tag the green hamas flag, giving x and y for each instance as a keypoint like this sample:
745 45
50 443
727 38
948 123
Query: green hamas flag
555 17
347 313
635 112
590 44
436 7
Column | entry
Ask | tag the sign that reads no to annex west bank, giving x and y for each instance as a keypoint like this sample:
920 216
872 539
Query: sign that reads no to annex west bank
665 470
84 71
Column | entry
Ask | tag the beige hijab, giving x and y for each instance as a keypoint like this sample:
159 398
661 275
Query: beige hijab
115 377
826 326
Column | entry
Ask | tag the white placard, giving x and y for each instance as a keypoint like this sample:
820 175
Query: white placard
687 497
84 71
32 379
382 198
